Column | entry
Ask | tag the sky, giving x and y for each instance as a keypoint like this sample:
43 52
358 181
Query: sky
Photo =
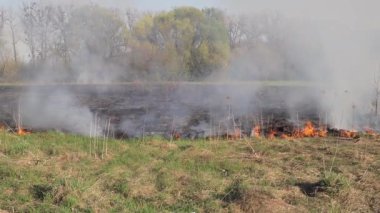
353 13
159 5
140 4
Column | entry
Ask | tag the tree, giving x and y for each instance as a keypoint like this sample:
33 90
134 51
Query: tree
132 17
236 34
2 18
143 50
99 31
190 43
37 22
61 45
10 20
97 41
213 52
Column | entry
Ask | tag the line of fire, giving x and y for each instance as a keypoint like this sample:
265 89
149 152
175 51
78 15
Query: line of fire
175 111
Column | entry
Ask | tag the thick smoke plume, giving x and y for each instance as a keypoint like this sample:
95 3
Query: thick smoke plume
335 45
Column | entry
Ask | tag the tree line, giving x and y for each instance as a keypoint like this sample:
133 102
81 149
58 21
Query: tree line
92 42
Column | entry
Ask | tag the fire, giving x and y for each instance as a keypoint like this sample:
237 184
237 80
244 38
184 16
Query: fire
370 132
271 134
348 134
21 131
236 134
176 135
2 127
323 133
256 131
308 130
286 137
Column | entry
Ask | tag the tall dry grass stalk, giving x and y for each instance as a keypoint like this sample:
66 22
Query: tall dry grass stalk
17 118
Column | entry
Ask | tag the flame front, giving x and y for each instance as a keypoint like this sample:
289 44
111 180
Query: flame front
323 133
256 131
21 131
308 130
271 134
370 131
348 134
286 137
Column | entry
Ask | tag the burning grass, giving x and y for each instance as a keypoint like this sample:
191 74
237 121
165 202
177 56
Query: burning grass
56 172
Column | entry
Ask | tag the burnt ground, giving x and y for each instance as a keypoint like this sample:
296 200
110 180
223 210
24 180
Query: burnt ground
191 110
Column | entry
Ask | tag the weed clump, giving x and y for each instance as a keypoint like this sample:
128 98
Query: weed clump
162 181
41 191
331 183
121 187
234 192
334 182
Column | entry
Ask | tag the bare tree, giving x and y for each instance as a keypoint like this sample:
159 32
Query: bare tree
2 18
236 31
61 46
377 92
132 17
99 31
37 23
10 20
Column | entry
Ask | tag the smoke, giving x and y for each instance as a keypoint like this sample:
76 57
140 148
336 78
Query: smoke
42 109
331 46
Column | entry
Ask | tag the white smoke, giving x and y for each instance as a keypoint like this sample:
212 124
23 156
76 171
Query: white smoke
58 109
333 43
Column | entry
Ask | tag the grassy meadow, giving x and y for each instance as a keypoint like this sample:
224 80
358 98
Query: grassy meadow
56 172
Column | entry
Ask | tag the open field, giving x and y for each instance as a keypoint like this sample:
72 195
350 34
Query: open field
55 172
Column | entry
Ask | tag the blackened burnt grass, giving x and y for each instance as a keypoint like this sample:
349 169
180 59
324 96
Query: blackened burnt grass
56 172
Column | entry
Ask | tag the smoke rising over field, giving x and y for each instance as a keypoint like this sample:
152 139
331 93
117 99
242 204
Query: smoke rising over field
332 46
335 44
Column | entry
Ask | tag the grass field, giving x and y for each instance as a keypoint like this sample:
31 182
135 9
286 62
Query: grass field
56 172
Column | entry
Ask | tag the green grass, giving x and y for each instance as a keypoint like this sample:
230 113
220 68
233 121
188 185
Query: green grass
55 172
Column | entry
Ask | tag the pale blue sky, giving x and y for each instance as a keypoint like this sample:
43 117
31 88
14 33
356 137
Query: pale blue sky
154 5
354 13
140 4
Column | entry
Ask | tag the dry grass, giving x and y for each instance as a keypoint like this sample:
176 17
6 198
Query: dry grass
53 172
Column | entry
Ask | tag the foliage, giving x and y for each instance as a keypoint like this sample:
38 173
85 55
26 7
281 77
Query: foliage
183 43
95 43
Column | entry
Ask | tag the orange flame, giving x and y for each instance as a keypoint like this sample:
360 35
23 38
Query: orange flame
271 134
323 133
348 134
256 131
308 130
176 135
286 137
235 135
21 132
2 127
370 131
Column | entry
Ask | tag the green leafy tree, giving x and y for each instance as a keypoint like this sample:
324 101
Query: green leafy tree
185 43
